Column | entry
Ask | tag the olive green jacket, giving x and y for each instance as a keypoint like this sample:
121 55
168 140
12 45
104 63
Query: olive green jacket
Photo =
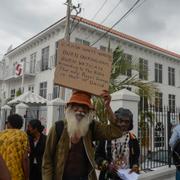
56 154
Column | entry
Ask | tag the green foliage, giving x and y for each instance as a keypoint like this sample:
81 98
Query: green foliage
18 92
146 121
146 117
100 110
120 66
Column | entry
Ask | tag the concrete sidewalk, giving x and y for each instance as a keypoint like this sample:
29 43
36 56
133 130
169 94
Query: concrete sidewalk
161 173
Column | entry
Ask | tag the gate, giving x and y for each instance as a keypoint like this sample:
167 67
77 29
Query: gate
36 112
154 132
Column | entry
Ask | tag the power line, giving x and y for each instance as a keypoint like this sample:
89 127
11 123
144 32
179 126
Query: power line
99 10
106 17
127 13
101 23
78 11
72 29
116 6
139 5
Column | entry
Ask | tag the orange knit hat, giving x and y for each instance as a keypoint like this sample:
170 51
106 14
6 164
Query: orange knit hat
81 97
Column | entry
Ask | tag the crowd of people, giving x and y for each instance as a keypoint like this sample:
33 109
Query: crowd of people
21 152
69 152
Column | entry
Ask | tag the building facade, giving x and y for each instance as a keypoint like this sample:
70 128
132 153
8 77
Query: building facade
37 57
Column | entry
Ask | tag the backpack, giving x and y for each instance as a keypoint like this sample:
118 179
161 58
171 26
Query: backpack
176 154
59 126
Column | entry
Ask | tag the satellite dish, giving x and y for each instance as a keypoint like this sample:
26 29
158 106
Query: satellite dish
10 48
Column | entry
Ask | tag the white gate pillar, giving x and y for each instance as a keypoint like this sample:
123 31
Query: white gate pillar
55 112
21 109
129 100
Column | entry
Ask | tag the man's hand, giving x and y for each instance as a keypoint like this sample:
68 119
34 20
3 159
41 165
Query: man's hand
135 169
112 169
107 98
104 165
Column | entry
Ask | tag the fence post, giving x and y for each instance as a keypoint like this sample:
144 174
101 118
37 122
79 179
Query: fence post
53 112
169 136
5 111
127 99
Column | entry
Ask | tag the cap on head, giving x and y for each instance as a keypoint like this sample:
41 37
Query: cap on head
81 97
122 112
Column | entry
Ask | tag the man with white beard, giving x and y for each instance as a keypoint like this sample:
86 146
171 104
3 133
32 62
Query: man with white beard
72 156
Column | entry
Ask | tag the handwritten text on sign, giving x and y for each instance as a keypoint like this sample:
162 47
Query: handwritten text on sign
83 68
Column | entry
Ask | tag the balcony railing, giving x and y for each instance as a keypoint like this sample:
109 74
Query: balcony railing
30 70
10 74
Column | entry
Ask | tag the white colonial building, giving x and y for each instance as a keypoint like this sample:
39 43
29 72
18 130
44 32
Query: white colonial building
38 56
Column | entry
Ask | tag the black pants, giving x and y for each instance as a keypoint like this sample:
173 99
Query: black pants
104 175
35 172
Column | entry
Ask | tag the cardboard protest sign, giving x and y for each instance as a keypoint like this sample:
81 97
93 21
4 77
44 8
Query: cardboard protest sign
83 68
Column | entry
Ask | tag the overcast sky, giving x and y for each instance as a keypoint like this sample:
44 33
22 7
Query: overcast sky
155 21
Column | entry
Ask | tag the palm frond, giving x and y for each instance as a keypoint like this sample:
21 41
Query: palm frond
148 88
120 66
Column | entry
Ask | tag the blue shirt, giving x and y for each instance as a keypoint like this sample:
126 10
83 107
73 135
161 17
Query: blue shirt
175 135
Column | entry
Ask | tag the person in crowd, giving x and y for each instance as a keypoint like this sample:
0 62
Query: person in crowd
174 142
119 153
37 145
175 135
71 157
14 147
4 172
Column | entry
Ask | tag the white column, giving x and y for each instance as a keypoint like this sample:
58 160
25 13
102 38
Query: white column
55 112
127 99
21 110
5 111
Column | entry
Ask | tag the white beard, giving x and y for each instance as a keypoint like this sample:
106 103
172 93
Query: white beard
75 126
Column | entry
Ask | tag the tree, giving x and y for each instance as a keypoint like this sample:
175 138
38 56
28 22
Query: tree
120 66
18 92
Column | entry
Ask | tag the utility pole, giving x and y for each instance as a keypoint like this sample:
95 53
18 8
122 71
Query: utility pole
67 34
70 8
68 16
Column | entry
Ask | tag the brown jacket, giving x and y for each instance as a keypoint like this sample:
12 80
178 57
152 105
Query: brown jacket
55 154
